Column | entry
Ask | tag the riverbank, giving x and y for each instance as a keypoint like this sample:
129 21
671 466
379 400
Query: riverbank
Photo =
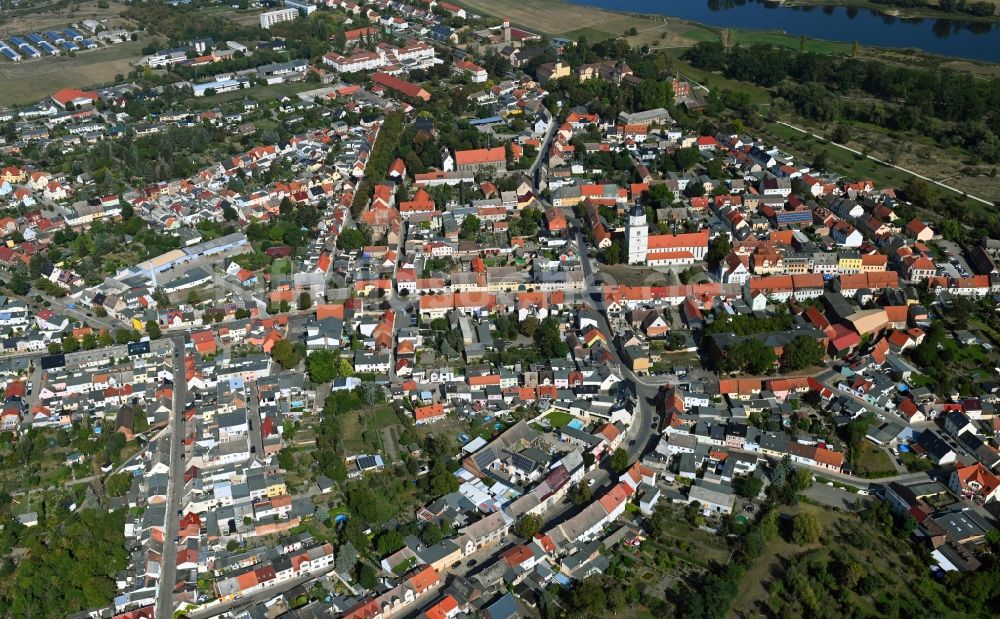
558 18
898 11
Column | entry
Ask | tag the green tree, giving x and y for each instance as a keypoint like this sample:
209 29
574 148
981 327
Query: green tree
431 534
35 265
471 227
749 355
346 558
322 365
805 529
89 341
918 191
821 160
285 353
801 352
305 301
718 249
389 542
367 577
118 484
660 196
153 330
749 486
549 339
619 460
581 493
351 239
527 526
19 285
613 254
88 542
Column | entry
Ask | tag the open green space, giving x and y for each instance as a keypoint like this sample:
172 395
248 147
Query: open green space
873 461
847 163
750 37
28 81
361 429
559 419
754 583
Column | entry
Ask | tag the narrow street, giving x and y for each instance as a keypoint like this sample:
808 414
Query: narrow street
253 417
641 430
168 562
250 600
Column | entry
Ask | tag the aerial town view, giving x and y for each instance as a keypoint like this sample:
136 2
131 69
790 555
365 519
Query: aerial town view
490 309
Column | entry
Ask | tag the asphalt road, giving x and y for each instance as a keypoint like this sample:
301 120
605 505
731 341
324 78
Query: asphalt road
254 598
256 439
168 562
641 431
543 151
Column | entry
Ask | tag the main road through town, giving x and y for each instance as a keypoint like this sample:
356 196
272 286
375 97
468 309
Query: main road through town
175 484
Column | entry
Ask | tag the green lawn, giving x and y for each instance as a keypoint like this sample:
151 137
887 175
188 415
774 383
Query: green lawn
385 416
873 460
25 82
972 356
559 419
591 34
750 37
920 380
404 566
350 426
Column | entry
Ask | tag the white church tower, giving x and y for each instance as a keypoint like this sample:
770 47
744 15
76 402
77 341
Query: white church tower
637 231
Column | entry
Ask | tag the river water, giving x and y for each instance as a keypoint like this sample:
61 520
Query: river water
947 37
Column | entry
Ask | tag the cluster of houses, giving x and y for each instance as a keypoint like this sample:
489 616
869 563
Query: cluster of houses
416 310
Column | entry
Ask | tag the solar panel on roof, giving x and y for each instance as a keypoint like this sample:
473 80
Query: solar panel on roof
484 458
522 462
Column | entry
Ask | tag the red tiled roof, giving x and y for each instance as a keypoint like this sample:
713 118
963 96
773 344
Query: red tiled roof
496 154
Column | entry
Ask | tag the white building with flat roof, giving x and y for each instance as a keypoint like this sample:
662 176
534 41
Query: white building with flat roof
270 18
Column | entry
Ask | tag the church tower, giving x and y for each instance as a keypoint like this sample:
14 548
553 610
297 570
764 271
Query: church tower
506 30
637 232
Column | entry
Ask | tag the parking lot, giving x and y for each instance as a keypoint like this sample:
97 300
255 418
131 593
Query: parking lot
954 264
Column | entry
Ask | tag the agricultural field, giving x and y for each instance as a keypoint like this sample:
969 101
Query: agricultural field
28 81
45 18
